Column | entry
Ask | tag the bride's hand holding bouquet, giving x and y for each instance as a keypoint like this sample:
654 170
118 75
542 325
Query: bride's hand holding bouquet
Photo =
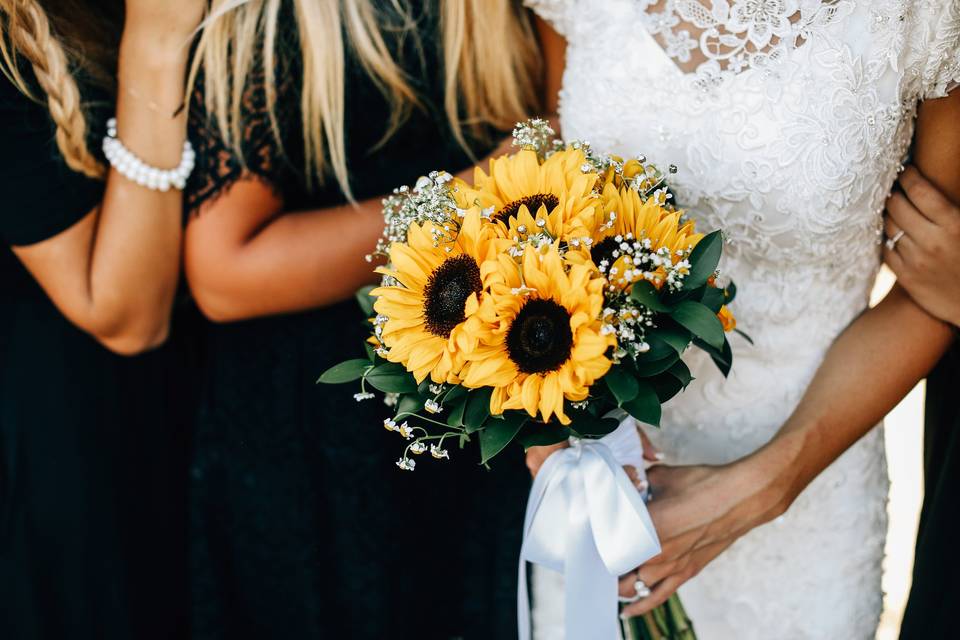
549 301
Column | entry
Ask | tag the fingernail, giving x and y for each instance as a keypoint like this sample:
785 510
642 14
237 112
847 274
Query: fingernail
660 456
642 485
624 617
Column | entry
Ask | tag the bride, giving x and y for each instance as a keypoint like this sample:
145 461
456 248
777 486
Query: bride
789 121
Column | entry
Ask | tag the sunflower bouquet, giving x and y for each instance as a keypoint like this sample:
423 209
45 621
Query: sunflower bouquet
546 301
559 286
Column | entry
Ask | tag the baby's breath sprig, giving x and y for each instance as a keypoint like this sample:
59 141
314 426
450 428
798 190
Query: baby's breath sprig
430 200
536 134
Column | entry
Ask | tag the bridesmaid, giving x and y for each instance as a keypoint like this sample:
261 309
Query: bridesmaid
302 526
90 542
923 225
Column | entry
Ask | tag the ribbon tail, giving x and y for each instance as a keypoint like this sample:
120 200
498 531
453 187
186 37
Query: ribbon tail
590 590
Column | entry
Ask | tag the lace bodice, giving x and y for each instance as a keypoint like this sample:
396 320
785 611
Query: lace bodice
788 121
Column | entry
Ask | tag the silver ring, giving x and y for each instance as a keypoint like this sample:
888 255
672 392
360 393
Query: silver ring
643 591
892 242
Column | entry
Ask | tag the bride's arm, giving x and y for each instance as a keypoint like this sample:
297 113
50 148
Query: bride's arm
700 511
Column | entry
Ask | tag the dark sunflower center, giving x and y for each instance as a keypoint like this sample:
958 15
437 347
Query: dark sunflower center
540 340
603 250
446 293
533 203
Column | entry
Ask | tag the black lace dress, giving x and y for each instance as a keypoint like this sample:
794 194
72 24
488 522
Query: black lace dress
302 525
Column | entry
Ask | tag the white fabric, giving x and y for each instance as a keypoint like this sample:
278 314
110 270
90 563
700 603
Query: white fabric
586 520
788 120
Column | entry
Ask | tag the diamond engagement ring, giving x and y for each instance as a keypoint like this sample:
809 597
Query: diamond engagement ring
642 590
892 241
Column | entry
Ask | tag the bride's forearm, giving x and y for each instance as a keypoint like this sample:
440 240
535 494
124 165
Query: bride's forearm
867 371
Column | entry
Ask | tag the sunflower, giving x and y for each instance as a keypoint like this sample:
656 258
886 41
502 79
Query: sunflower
632 239
423 319
540 341
527 197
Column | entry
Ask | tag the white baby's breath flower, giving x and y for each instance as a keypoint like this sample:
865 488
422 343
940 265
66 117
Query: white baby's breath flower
407 464
418 447
439 453
363 395
432 406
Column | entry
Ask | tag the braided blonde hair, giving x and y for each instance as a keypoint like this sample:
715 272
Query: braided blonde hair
27 33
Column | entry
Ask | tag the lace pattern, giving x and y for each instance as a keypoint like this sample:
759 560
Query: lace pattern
789 120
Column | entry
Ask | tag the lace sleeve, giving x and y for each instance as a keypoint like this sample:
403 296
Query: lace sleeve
937 46
218 164
559 13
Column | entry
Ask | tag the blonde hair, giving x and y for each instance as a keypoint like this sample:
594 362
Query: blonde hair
490 55
27 32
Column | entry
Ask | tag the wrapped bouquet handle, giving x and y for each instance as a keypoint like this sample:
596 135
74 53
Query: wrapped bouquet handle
586 519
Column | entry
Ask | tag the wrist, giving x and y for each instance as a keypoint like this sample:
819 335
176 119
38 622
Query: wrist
154 49
776 472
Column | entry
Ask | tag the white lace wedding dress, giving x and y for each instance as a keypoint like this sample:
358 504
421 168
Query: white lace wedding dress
788 120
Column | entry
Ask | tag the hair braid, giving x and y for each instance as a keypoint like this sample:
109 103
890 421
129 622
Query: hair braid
31 36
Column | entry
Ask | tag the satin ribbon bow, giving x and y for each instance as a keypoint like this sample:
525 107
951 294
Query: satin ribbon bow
586 519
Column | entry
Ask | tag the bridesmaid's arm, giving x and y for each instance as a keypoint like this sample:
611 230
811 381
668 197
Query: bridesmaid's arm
114 273
244 257
700 511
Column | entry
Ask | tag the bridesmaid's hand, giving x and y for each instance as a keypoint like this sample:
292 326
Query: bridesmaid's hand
925 255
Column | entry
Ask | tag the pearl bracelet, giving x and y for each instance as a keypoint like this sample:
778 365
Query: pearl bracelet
136 170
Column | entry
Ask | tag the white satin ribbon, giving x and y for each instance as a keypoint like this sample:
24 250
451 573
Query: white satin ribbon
586 519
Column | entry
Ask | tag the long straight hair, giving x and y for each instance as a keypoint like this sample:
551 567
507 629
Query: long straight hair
490 59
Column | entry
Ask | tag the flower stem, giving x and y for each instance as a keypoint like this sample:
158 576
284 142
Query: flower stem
669 621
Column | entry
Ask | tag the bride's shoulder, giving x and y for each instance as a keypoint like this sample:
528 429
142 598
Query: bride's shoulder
559 13
587 17
932 46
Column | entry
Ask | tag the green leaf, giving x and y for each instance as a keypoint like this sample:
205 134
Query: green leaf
647 295
457 407
722 357
455 393
391 378
666 385
622 384
730 293
646 406
712 299
541 435
702 322
681 372
366 300
345 371
703 260
649 368
677 337
585 425
409 403
497 434
371 353
477 408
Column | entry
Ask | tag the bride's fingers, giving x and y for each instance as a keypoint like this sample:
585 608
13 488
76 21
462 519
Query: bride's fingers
536 456
650 452
654 574
640 483
658 595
